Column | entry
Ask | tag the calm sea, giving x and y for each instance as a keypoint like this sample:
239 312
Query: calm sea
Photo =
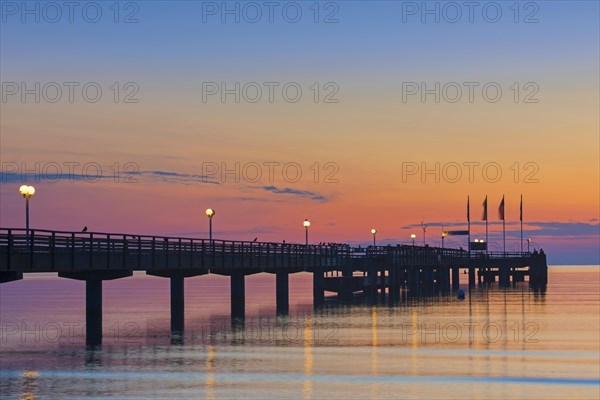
496 344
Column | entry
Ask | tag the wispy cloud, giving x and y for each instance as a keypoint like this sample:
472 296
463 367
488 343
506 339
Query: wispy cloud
295 192
105 174
538 228
177 177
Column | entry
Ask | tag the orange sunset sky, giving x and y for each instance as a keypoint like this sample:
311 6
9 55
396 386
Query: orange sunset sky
367 136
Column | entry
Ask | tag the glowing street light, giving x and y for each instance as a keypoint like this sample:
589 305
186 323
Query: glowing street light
210 213
374 232
27 192
306 224
413 236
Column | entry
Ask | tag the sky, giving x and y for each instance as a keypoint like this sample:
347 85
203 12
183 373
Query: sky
137 116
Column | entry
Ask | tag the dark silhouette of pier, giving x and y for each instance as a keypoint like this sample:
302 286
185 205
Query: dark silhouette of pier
378 272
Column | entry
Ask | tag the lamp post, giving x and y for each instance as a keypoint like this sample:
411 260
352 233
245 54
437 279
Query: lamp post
528 242
374 232
306 224
27 192
210 213
413 236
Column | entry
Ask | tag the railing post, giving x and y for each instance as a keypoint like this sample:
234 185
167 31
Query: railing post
139 252
124 251
108 246
166 251
91 250
268 255
10 249
242 254
212 252
192 253
179 254
153 251
52 249
31 246
72 251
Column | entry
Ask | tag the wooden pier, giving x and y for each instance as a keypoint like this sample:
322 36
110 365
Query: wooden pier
377 271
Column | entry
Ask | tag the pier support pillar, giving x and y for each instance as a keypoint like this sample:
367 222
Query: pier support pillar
93 299
382 284
372 284
471 276
538 271
282 292
413 281
394 284
455 278
238 295
176 281
504 276
177 304
346 285
318 289
10 276
428 281
442 279
93 312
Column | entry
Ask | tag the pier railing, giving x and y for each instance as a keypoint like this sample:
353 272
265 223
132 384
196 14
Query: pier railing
437 255
59 250
46 250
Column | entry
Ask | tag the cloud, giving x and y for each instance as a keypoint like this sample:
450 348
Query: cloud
258 199
300 193
95 174
233 232
537 228
177 177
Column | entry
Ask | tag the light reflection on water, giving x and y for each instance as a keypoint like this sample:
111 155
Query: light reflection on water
498 343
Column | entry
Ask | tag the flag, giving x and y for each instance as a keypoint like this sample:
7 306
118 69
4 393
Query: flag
521 210
484 218
468 209
501 210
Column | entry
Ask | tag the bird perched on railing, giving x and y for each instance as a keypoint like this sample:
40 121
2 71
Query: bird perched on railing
84 229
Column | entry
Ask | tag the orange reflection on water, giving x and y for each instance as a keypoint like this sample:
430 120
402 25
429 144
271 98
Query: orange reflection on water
210 383
308 358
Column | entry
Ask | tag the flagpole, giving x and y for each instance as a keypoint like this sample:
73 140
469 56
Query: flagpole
521 218
469 224
487 243
504 224
504 234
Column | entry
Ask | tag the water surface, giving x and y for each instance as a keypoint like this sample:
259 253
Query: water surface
510 343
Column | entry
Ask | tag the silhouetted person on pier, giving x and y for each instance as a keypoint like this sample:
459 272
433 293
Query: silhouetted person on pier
84 229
